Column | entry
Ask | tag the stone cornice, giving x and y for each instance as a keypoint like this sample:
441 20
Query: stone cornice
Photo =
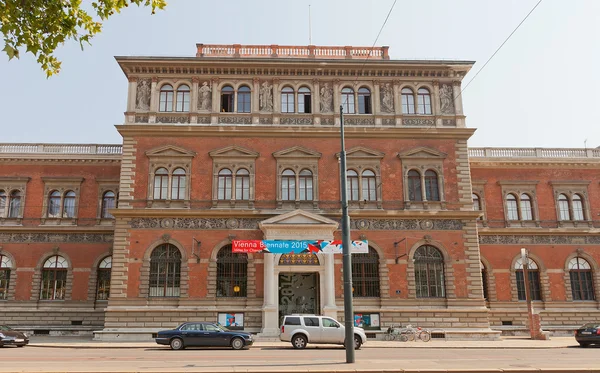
538 231
47 159
536 163
57 229
287 132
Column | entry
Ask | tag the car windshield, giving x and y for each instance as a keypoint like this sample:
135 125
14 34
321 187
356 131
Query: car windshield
4 327
591 325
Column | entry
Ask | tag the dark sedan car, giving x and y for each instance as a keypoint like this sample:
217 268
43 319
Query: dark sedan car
12 337
588 334
203 334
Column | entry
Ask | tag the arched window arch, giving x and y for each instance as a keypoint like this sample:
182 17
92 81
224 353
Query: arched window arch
224 184
242 184
243 99
365 274
582 283
54 278
14 204
511 207
348 100
424 101
484 281
178 184
161 183
54 204
563 207
288 185
69 204
526 207
165 271
183 98
578 213
533 277
429 272
232 273
305 185
432 191
227 95
353 191
408 101
5 267
166 98
287 100
364 101
304 100
369 186
476 202
103 281
414 186
108 202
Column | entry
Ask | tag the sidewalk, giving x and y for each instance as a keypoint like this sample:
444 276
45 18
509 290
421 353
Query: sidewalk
503 343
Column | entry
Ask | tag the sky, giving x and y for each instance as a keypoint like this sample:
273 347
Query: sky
540 90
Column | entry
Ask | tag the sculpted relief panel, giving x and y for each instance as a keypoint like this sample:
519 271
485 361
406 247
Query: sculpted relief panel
326 98
446 99
205 97
387 98
142 96
266 97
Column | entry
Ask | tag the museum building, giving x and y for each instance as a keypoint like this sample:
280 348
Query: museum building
242 142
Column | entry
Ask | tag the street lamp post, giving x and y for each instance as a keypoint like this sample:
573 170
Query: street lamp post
525 262
347 258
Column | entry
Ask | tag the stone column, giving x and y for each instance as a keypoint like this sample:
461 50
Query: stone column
458 107
154 95
216 103
423 191
132 94
336 96
194 95
329 307
276 97
314 97
375 98
269 310
255 95
436 109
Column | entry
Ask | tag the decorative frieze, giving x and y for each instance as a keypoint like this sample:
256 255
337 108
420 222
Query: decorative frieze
56 237
327 121
388 121
296 120
235 119
141 119
360 121
266 121
203 119
516 239
418 122
172 119
449 122
406 224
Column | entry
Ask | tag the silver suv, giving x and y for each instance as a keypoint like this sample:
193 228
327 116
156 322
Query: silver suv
304 329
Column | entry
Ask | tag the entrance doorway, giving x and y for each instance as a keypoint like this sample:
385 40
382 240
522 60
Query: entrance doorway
298 293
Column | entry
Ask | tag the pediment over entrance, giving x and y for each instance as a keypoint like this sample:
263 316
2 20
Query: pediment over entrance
298 225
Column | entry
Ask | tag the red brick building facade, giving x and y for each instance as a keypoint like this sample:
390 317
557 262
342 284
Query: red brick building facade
242 142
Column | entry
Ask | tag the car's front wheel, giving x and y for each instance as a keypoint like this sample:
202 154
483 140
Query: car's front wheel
299 341
584 345
237 343
357 342
176 344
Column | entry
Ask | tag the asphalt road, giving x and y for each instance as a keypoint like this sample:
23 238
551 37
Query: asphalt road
276 359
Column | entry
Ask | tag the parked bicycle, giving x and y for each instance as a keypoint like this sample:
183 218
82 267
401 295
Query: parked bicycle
407 334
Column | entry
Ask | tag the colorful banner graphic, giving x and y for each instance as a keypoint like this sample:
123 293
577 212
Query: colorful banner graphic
297 247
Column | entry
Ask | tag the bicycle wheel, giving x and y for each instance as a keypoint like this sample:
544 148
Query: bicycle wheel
403 338
425 336
388 337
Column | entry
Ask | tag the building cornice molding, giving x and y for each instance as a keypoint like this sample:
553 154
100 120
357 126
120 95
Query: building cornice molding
538 231
63 159
537 163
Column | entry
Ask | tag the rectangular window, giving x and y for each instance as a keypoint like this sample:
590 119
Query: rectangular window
534 285
183 101
526 213
227 103
408 104
563 207
166 101
69 211
512 212
304 103
306 189
424 104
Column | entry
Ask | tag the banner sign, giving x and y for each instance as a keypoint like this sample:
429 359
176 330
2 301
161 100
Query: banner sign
297 247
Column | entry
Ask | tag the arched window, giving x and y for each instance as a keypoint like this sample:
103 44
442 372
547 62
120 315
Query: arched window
364 101
369 187
476 202
288 185
408 101
14 206
533 277
5 267
424 101
54 278
484 281
161 183
232 273
429 272
304 100
432 191
178 184
108 202
563 207
582 283
166 98
165 271
353 191
578 207
242 184
103 282
287 100
305 185
511 207
414 186
224 184
365 274
348 100
54 204
69 205
183 98
526 210
227 95
3 199
243 100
